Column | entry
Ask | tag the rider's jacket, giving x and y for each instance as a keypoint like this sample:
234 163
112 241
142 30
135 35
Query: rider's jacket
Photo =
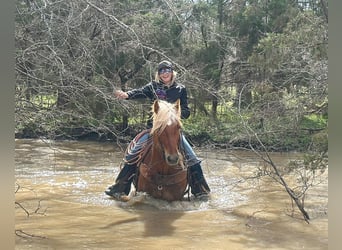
158 90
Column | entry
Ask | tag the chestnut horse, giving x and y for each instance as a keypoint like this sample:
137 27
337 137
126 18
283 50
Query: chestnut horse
162 173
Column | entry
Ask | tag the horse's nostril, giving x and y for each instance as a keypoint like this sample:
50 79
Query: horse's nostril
172 159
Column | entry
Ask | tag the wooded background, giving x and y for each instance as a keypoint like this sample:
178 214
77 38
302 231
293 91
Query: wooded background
255 70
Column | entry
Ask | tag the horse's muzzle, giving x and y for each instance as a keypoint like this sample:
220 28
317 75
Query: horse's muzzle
172 160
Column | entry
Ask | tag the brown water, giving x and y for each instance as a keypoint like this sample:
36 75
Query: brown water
61 186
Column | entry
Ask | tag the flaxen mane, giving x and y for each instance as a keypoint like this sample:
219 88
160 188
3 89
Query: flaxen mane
167 114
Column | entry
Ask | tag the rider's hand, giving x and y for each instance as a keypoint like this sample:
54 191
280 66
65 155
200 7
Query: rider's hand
120 94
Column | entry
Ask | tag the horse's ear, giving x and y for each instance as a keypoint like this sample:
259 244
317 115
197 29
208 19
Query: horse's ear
156 106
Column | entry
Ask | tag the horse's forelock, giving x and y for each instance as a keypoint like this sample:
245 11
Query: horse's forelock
166 115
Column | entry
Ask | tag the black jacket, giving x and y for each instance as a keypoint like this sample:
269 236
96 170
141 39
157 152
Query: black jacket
157 90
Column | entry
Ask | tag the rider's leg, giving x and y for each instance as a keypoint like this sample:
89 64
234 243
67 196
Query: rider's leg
197 182
124 180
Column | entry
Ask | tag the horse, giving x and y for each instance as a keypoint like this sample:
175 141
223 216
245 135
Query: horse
161 170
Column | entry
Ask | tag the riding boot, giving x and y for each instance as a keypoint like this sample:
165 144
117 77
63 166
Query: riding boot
197 182
123 181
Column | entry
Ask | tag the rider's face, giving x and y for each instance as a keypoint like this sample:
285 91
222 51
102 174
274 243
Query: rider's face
165 75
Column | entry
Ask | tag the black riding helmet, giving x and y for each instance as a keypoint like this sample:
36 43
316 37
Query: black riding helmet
165 64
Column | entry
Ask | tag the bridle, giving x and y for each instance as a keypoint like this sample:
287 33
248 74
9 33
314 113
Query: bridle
160 147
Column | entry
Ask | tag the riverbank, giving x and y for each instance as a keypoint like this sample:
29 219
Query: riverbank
289 142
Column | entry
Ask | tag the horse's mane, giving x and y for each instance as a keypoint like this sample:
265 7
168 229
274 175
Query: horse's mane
167 114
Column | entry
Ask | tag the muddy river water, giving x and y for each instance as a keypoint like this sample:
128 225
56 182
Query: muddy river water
61 204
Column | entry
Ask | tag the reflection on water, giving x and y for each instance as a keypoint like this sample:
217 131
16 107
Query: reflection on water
61 186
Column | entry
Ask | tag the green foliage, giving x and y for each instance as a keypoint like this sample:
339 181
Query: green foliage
298 40
313 122
44 101
228 129
210 57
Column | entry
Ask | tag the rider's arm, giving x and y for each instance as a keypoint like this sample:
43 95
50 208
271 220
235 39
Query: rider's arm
143 92
185 110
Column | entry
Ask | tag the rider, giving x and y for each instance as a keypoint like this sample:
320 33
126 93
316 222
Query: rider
165 88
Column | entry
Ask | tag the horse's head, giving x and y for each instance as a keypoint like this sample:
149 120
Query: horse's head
166 129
